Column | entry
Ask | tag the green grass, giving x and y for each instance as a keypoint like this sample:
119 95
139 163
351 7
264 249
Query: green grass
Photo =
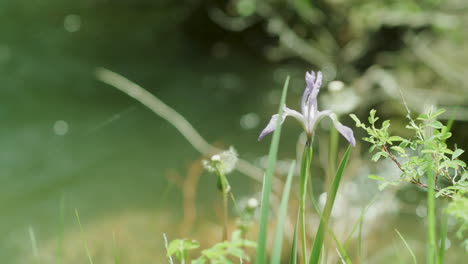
293 258
331 195
58 257
268 182
88 253
32 238
407 246
116 250
282 214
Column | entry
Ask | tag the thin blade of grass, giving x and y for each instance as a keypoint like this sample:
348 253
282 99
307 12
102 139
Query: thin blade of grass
451 120
282 214
268 181
166 245
293 258
58 258
443 238
116 250
32 238
360 248
90 259
319 237
358 221
407 246
397 253
340 248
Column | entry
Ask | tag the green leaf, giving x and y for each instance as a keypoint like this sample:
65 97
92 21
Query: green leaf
404 144
436 124
398 149
372 118
395 138
356 119
378 155
179 247
423 117
457 153
282 214
375 177
331 195
459 163
437 113
268 182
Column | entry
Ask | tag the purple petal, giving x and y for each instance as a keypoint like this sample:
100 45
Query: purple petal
271 126
310 80
309 98
345 131
274 121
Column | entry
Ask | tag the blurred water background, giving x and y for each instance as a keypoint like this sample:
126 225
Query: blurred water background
70 141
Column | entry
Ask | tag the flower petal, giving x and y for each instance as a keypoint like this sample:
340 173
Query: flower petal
310 80
345 131
274 121
271 126
293 113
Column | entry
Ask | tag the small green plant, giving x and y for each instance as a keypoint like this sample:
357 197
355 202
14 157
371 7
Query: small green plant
228 249
223 164
179 248
414 156
221 253
424 160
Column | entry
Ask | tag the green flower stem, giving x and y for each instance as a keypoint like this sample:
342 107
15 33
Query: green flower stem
305 174
225 189
431 225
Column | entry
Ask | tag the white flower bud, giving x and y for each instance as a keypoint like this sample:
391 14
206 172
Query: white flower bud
224 162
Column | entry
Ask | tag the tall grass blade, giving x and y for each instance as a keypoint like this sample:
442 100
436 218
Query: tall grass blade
282 214
32 238
268 182
166 245
116 250
293 258
451 120
407 246
358 221
360 242
90 259
340 248
331 195
397 253
58 258
443 238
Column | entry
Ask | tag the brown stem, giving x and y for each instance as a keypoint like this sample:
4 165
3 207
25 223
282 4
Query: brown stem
413 181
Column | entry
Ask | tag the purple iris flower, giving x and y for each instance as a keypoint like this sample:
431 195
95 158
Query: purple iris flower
310 115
